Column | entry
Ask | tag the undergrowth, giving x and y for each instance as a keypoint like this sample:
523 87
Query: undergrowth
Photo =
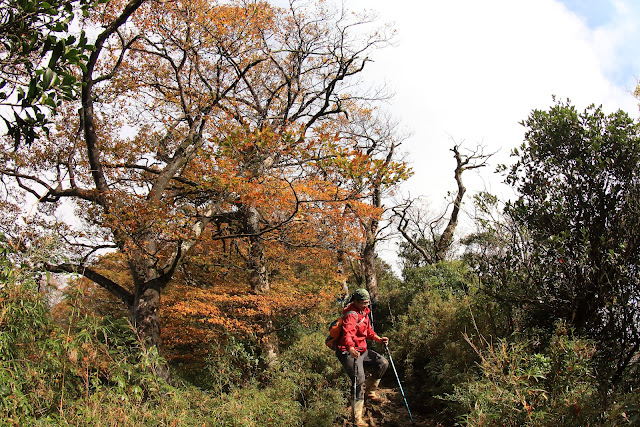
86 370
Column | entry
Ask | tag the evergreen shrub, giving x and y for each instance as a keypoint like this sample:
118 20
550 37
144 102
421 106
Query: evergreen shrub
433 310
519 385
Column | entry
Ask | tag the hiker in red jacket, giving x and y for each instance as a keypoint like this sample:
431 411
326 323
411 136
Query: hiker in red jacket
352 350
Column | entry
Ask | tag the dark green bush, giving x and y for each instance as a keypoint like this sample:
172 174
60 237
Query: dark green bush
232 363
428 344
432 310
625 410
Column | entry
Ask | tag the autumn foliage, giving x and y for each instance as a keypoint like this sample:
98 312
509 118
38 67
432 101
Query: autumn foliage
211 134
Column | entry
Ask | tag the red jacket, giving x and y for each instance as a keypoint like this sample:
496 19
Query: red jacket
356 329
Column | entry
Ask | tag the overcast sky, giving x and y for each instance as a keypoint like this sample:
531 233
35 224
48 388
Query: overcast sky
472 70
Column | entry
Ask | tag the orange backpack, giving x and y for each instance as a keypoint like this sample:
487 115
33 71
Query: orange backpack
335 330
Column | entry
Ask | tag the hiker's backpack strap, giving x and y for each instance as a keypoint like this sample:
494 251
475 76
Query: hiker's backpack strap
356 313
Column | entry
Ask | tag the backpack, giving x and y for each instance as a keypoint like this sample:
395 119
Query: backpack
335 330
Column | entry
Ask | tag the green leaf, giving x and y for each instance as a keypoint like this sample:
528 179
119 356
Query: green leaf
49 76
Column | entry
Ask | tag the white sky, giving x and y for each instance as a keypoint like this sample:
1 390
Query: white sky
472 70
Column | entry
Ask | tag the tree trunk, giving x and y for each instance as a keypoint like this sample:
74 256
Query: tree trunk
259 282
369 261
146 320
258 277
341 276
144 316
369 250
443 244
145 309
269 343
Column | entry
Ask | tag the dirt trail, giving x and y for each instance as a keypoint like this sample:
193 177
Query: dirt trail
391 412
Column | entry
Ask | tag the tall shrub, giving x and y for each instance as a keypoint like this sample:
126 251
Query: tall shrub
521 385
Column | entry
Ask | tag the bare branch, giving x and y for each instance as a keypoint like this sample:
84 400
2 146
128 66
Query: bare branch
108 284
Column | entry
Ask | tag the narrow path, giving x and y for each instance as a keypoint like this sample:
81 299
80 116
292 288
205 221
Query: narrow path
391 412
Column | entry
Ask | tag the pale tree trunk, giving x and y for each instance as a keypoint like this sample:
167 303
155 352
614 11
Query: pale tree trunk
368 262
340 263
258 277
371 228
446 238
341 276
442 244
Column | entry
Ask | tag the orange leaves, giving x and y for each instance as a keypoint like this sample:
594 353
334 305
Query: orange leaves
208 314
238 103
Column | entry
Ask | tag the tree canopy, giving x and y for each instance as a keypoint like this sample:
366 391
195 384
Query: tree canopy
574 253
38 58
204 121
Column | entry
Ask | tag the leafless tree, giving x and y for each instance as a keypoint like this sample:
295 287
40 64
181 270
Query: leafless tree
433 237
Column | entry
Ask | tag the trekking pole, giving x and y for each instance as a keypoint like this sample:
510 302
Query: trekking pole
399 384
355 387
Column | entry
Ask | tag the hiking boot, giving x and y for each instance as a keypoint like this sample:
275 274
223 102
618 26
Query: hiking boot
371 388
359 413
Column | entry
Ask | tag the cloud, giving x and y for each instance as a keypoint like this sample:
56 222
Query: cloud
613 26
471 71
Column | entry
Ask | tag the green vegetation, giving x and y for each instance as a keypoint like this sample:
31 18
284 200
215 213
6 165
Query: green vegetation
81 370
38 57
534 325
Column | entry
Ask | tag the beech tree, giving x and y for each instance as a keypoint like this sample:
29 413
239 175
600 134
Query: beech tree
377 138
193 115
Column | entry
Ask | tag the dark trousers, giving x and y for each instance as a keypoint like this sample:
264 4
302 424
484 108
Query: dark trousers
370 360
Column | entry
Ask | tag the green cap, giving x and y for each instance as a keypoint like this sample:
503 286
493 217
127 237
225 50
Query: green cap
361 295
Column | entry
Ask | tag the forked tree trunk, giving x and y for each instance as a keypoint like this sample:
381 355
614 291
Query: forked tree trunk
442 244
